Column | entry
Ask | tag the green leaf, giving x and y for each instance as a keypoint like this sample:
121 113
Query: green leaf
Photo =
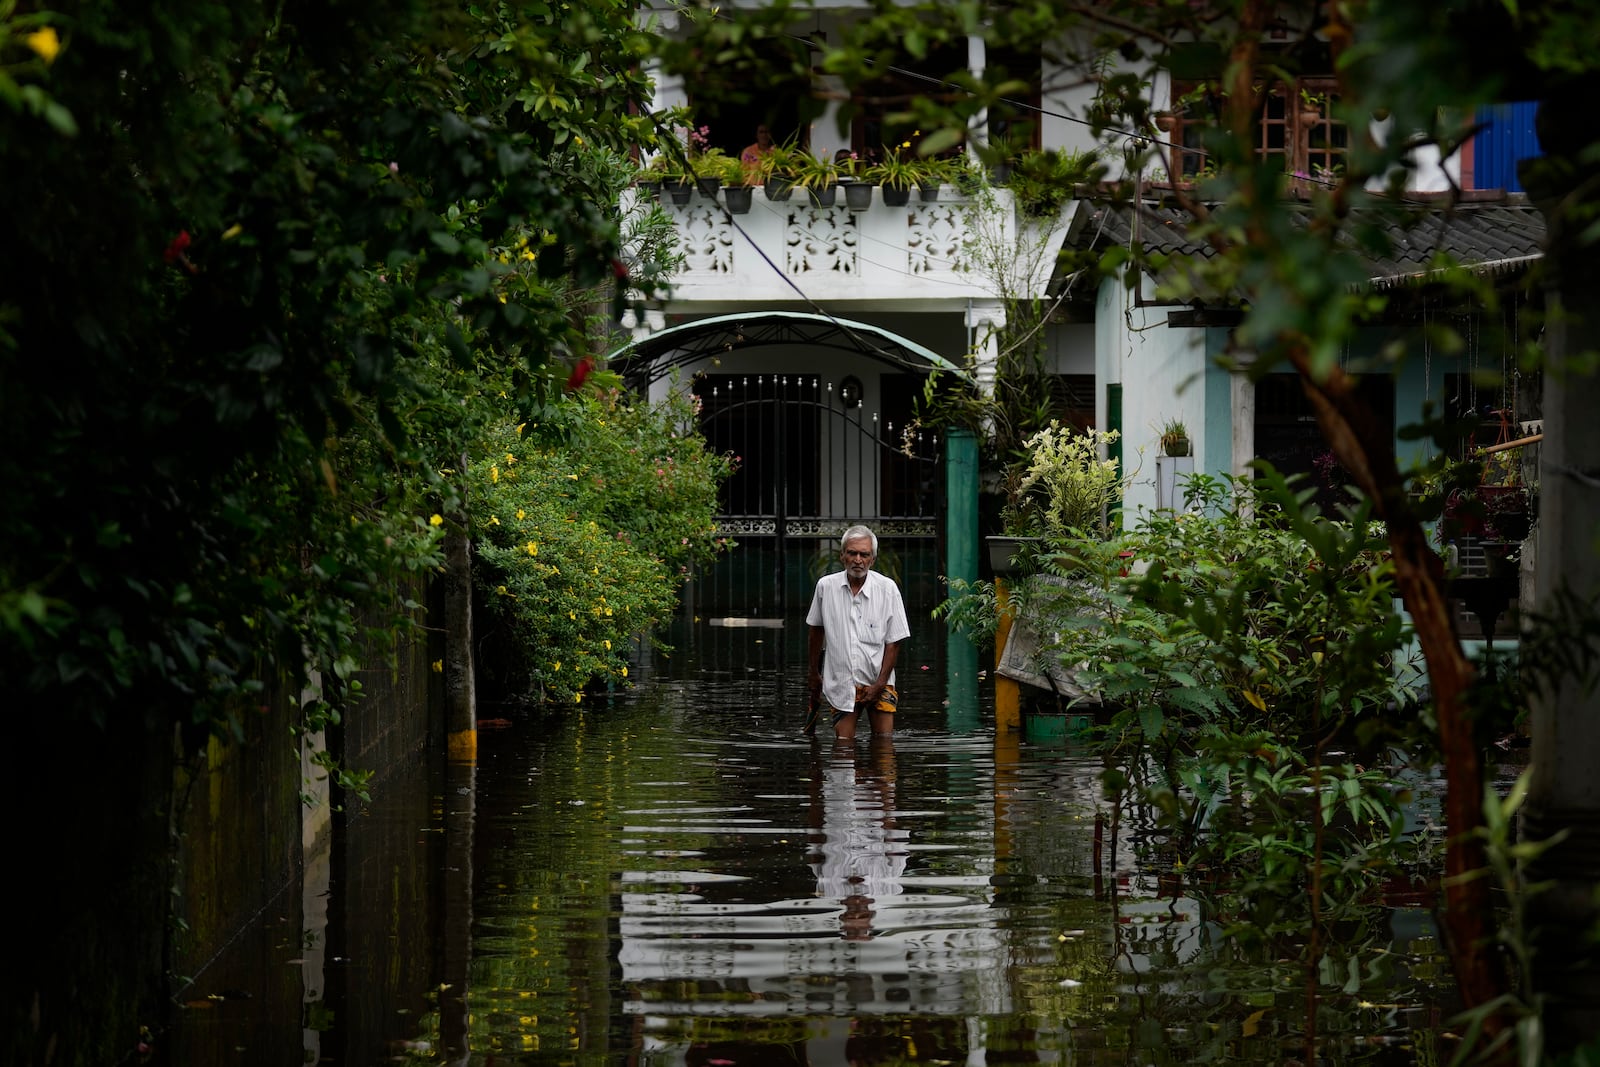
1151 720
940 140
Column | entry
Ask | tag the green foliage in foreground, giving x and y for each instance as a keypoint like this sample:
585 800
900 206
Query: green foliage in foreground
258 274
583 541
1244 653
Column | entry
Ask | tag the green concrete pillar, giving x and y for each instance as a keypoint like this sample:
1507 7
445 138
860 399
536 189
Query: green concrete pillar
961 561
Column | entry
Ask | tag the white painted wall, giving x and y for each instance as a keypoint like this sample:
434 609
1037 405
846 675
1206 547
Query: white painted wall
1160 370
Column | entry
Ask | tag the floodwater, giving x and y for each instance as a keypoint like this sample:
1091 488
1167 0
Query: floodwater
678 876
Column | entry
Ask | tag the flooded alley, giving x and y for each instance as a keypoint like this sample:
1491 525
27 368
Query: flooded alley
678 876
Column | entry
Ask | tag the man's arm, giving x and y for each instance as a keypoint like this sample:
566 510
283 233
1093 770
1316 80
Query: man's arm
891 653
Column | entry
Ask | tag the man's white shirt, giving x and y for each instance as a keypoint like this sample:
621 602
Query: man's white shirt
856 631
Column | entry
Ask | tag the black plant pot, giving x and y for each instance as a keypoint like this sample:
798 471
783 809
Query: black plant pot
823 197
737 198
893 197
678 191
929 193
1011 555
858 196
708 187
779 189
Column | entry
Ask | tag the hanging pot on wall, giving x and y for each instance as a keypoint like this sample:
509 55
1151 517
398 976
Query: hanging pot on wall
778 188
858 196
678 190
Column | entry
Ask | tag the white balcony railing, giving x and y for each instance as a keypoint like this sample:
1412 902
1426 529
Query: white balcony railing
918 252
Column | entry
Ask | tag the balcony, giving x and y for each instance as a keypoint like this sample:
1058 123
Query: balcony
919 253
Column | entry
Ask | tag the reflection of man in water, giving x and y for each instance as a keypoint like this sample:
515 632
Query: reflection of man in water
857 854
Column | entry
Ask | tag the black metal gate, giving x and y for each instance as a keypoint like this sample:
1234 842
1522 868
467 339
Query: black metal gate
811 462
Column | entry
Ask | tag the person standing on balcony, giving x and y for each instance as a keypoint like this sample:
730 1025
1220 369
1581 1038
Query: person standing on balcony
859 619
753 154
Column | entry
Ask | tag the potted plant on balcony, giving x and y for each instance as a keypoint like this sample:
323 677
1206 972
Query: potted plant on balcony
738 187
817 176
934 172
666 173
713 168
895 174
853 176
775 172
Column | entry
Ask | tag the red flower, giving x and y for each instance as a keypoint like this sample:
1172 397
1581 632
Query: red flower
580 372
178 246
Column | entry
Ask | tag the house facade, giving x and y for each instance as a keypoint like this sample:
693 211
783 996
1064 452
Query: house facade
808 331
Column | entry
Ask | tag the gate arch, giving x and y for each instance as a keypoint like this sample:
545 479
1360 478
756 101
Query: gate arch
811 461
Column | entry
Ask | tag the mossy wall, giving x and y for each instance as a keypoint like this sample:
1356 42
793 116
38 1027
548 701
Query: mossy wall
124 833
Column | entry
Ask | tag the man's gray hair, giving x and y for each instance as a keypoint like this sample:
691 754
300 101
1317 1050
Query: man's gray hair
855 533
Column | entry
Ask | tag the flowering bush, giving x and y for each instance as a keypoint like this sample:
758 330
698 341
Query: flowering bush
583 541
1066 487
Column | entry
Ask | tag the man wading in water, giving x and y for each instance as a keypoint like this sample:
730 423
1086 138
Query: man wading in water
859 618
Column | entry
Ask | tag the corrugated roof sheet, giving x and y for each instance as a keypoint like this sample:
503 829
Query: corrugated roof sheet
1498 237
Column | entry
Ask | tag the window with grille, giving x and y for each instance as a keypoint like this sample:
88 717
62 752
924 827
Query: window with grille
1293 125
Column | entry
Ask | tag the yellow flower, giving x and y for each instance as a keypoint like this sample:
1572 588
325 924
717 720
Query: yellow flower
577 698
510 458
608 611
608 646
533 548
558 665
624 668
438 666
494 520
573 615
521 513
45 43
494 474
232 231
436 519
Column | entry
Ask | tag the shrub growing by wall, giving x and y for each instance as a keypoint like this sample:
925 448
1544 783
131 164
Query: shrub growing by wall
584 537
